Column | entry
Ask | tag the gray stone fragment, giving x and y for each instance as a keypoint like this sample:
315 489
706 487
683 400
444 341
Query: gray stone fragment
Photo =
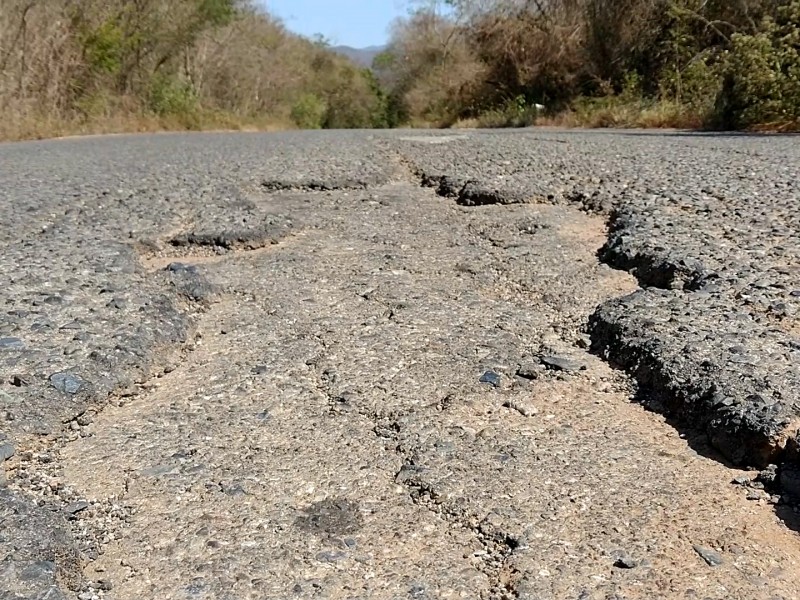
18 380
714 559
490 377
559 363
11 343
529 371
66 382
6 451
76 507
768 476
524 407
179 267
331 556
625 561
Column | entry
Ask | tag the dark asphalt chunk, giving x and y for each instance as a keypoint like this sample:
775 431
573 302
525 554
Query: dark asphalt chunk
695 367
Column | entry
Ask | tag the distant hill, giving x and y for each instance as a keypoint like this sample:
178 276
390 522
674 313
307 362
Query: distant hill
360 56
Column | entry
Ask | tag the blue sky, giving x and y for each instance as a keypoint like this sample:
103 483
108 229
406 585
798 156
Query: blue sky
357 23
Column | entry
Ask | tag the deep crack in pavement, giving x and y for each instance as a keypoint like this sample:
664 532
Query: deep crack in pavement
390 365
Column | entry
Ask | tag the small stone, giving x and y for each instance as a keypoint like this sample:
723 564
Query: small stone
6 452
66 382
179 267
72 349
11 343
558 363
768 476
331 556
625 562
529 371
712 558
76 507
20 380
523 407
234 490
118 303
491 377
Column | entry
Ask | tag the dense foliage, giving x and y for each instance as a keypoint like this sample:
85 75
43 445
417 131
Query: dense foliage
727 63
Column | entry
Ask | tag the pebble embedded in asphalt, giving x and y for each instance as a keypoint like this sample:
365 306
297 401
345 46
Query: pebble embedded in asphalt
66 382
712 558
491 377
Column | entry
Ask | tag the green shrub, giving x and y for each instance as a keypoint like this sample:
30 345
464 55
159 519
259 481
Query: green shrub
353 98
761 77
309 111
104 48
514 113
695 86
170 96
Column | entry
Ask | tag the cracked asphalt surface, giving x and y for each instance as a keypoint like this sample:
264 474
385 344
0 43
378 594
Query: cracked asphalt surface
524 364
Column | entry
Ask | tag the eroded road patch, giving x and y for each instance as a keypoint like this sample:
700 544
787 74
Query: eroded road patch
393 397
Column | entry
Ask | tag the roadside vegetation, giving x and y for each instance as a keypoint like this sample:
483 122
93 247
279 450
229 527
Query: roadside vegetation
73 66
84 66
654 63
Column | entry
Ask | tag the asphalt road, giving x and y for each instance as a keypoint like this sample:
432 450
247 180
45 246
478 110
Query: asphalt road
525 364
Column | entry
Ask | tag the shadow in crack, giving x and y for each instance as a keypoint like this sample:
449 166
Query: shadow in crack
771 481
790 516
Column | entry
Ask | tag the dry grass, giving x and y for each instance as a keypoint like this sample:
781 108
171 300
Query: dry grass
35 128
615 114
111 66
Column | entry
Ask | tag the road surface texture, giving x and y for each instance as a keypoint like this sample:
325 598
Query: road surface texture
532 365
